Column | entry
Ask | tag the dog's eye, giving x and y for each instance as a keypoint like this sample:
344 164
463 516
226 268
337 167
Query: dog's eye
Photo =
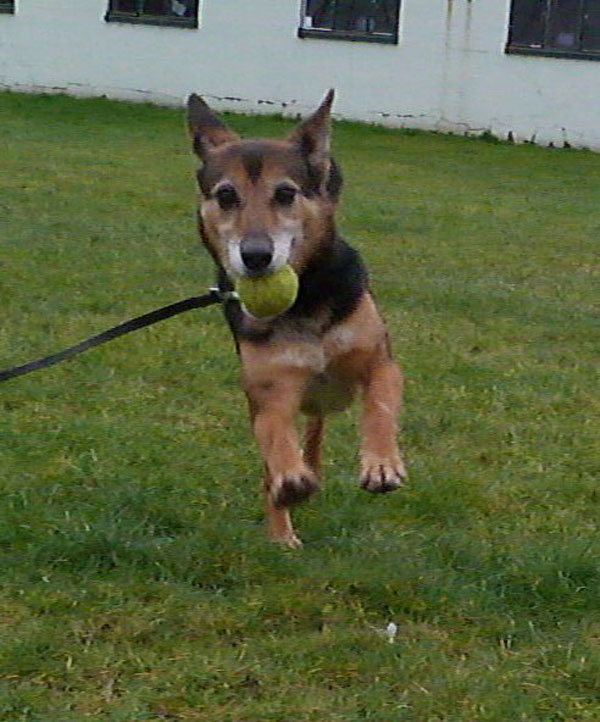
227 197
284 195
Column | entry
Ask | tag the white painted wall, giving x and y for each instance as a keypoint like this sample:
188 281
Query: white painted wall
449 71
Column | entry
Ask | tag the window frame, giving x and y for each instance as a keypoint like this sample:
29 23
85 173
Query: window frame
7 7
116 16
348 35
548 50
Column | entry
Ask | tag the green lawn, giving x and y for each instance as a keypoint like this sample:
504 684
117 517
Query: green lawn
136 582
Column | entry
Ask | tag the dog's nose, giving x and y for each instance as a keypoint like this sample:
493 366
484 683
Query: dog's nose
257 252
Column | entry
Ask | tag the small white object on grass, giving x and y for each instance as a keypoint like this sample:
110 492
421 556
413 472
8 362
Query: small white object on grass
391 631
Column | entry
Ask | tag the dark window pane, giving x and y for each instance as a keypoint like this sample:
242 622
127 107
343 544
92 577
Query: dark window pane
345 15
167 8
157 7
182 8
383 16
124 6
370 16
353 16
528 21
565 24
321 12
591 26
169 11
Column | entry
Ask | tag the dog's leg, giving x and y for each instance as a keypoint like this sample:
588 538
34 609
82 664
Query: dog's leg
288 477
274 390
313 435
279 523
382 468
291 478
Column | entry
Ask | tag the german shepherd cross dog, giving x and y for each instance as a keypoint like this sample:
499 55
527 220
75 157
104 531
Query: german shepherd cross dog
262 204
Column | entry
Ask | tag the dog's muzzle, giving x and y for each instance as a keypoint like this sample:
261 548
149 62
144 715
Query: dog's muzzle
256 251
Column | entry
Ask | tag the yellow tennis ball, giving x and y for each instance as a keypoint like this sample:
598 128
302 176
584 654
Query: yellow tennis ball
268 295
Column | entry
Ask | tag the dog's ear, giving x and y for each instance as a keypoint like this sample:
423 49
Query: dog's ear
313 135
207 131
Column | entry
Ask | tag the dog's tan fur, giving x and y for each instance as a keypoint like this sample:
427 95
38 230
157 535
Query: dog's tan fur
299 363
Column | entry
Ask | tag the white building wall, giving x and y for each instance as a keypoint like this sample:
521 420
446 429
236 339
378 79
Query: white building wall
449 71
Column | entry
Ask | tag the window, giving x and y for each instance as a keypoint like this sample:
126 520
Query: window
367 20
178 13
7 6
562 28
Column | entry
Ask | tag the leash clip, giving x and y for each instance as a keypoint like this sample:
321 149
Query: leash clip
224 296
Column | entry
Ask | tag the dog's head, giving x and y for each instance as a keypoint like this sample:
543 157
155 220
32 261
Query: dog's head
264 203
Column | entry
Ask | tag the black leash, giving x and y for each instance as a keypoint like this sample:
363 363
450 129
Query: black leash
147 319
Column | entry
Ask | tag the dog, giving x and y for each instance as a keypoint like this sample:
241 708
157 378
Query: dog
262 204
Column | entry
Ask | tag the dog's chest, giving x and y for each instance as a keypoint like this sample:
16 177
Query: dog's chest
333 364
327 362
327 393
332 383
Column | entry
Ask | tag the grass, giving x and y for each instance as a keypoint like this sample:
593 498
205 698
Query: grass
136 581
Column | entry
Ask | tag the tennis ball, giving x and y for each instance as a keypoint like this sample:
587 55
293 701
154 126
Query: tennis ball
268 295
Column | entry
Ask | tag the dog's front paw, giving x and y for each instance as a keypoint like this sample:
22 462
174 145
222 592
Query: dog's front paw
292 487
289 540
381 475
